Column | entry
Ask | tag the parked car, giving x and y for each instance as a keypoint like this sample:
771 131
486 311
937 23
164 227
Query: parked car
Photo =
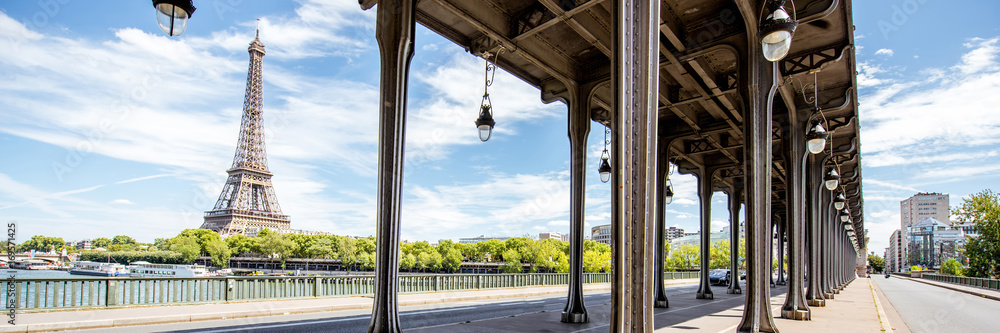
719 276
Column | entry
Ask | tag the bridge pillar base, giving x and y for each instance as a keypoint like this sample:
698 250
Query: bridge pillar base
706 296
817 302
575 317
795 314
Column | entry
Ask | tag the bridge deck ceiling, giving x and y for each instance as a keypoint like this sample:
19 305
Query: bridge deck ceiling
552 44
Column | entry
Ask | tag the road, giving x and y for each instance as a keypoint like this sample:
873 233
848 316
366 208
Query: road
927 308
410 316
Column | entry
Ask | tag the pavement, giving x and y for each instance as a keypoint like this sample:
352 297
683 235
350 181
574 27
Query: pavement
860 307
975 291
855 309
937 307
146 315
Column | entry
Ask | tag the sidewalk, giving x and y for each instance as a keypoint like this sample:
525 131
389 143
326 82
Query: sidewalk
88 319
855 309
981 292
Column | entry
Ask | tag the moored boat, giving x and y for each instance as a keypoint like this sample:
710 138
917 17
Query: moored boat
99 269
146 269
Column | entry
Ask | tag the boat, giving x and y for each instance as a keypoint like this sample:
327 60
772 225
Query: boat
146 269
98 269
32 264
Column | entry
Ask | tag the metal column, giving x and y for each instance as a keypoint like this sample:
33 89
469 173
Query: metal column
757 86
579 129
794 146
814 184
636 63
705 202
734 238
394 32
662 168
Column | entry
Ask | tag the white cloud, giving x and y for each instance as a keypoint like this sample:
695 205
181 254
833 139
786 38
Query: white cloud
953 109
122 202
866 75
982 57
886 52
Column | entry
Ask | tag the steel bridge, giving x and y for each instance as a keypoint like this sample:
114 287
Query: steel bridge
679 83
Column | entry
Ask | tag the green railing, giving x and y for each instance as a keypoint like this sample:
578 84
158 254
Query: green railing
32 295
993 284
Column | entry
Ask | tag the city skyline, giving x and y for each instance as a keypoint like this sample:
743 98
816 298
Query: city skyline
144 125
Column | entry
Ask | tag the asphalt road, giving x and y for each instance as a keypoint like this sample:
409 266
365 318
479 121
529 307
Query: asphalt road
926 308
410 316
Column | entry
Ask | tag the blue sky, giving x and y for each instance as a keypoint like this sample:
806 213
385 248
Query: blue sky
109 127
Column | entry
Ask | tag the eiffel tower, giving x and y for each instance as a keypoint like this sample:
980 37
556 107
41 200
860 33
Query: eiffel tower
247 202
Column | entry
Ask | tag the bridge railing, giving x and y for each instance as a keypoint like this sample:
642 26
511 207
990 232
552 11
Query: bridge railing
31 295
993 284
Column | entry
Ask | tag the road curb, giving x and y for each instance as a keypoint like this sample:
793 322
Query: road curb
105 323
970 292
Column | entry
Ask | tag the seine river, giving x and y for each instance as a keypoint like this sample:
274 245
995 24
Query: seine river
35 274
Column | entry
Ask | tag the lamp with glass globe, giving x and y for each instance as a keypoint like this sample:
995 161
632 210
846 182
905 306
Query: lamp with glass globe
605 167
832 179
845 215
172 15
816 139
839 201
776 31
485 121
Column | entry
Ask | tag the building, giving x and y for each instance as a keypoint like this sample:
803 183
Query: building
931 242
553 235
894 253
695 239
601 234
917 208
674 232
923 205
83 245
247 200
481 238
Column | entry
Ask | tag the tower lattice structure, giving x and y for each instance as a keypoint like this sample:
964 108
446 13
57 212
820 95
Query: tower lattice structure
248 202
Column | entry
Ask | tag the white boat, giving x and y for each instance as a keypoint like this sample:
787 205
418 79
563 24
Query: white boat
146 269
32 264
98 269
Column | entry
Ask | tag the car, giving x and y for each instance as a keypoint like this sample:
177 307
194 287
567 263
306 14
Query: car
719 276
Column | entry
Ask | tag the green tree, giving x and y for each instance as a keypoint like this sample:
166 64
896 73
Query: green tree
100 242
983 211
407 262
348 254
684 256
203 237
219 252
123 240
274 243
240 245
492 250
187 246
952 267
512 262
452 260
42 244
878 264
161 244
324 247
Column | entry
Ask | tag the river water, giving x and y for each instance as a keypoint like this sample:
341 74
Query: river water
37 274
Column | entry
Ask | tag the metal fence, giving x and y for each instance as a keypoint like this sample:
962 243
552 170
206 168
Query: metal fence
32 295
993 284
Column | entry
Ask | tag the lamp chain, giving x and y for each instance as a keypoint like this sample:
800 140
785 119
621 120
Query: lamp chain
607 142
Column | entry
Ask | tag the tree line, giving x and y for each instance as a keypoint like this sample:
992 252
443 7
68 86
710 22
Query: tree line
514 255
